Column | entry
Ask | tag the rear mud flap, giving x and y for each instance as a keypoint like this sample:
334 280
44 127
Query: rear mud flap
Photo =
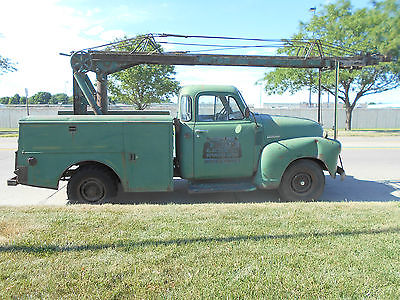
341 172
12 181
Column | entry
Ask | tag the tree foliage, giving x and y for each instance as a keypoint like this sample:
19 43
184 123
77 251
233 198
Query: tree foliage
375 29
38 98
41 98
60 98
6 65
143 84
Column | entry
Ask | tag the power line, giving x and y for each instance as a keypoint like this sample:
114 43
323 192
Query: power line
309 46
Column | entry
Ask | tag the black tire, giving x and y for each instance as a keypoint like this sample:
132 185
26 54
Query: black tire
303 180
92 184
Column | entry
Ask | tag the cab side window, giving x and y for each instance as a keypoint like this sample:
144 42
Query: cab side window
218 108
185 108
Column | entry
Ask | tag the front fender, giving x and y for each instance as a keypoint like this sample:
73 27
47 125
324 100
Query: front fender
277 156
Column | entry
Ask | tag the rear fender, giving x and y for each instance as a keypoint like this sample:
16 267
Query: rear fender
50 168
277 156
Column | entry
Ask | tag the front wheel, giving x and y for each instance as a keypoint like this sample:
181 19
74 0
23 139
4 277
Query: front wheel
303 180
91 185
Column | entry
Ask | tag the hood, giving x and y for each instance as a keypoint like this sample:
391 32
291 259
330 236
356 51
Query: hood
281 127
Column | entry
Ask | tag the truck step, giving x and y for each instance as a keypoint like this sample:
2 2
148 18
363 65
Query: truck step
211 187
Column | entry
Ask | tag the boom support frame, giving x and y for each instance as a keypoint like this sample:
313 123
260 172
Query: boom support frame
104 63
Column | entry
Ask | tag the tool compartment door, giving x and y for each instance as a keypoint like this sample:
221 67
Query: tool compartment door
148 156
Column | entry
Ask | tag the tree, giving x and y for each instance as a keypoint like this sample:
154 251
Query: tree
60 98
40 98
6 65
15 99
142 85
371 30
4 100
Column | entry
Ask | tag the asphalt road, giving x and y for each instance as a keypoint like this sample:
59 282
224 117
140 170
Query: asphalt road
372 166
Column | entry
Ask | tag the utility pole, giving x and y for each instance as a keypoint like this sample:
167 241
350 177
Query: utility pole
27 105
328 101
336 99
309 99
261 90
313 10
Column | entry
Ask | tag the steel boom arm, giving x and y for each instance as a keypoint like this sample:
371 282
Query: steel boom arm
111 62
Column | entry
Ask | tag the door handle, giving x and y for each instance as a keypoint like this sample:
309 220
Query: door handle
198 131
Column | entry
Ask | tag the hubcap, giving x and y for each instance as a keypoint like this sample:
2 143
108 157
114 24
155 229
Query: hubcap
301 182
92 190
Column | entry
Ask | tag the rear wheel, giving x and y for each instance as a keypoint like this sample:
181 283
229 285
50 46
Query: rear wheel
92 185
303 180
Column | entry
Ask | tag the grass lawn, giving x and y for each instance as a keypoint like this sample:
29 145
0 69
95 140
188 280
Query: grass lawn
230 251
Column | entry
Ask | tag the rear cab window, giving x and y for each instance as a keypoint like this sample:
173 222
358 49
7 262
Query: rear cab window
185 109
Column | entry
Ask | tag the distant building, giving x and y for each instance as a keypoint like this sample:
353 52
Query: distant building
271 105
383 105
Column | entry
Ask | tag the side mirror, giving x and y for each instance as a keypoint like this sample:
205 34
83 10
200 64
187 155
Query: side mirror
247 112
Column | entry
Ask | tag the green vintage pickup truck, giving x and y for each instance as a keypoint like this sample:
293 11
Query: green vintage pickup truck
215 143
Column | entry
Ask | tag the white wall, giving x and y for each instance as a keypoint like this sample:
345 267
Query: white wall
362 117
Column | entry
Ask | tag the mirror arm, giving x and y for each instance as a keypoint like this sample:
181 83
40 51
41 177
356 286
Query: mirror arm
247 113
255 120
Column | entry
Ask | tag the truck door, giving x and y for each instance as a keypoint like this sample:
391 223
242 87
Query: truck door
224 140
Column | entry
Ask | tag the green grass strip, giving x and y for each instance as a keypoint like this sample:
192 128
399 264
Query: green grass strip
9 135
230 251
8 129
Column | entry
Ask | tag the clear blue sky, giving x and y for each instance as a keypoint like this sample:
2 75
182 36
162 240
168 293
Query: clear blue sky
33 36
257 18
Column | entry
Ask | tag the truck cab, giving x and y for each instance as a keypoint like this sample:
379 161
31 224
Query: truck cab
215 142
216 138
219 139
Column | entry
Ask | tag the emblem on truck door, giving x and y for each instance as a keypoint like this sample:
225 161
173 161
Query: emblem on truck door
222 150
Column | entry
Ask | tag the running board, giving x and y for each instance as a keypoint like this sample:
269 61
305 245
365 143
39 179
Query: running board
197 188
